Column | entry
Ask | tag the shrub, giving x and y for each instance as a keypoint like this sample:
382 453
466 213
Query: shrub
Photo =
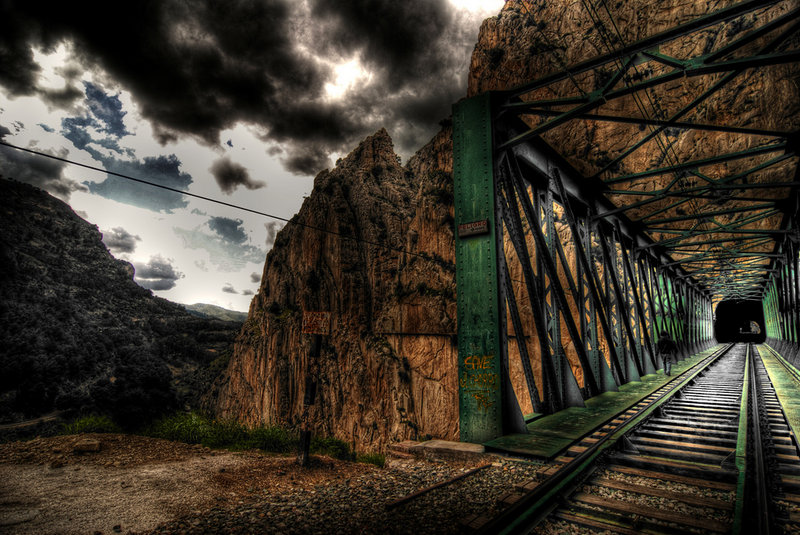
378 459
91 424
274 439
190 428
226 434
338 449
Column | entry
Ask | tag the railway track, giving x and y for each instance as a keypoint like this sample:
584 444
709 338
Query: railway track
709 452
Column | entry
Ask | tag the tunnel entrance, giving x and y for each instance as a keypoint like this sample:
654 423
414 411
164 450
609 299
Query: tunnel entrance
739 321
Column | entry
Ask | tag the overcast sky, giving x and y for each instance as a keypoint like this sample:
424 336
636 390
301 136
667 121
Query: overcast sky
242 101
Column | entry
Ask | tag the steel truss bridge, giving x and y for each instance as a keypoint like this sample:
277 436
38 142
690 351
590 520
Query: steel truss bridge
571 258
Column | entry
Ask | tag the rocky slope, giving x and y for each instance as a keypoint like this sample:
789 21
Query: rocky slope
98 343
387 370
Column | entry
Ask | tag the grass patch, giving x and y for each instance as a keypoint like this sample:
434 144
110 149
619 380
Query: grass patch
378 459
275 439
333 447
91 424
194 428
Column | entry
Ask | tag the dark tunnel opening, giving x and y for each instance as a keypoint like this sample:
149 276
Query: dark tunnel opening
739 321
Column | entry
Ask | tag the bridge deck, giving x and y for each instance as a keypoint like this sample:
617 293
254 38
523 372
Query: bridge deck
549 435
786 381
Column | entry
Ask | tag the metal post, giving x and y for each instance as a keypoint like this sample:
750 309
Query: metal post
553 297
623 314
479 354
582 235
639 309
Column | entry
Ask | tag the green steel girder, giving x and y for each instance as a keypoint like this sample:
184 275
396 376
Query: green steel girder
581 231
556 306
623 278
646 43
531 109
698 192
707 215
697 101
695 164
696 67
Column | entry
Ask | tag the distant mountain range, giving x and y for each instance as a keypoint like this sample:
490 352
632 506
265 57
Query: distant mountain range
79 335
204 310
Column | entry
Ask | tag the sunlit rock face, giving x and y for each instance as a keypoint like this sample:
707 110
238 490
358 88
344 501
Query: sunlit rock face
373 245
387 371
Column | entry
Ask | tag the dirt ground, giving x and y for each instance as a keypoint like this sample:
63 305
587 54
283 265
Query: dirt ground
132 483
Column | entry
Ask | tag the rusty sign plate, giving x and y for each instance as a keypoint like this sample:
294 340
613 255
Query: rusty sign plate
474 228
315 322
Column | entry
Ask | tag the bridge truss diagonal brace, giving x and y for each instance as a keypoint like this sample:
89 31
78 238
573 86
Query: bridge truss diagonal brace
595 286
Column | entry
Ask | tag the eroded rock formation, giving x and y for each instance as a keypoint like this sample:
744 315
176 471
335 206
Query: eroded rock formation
373 245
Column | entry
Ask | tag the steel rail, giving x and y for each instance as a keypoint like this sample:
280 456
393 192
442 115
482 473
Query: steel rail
537 504
756 492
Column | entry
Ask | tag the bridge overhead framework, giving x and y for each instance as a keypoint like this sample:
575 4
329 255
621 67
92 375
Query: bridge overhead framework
571 258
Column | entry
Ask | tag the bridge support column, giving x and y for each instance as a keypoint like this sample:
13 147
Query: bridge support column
481 354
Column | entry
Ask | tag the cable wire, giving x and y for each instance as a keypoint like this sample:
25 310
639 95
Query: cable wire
223 203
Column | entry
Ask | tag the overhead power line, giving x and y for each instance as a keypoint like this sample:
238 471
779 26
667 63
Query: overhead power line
223 203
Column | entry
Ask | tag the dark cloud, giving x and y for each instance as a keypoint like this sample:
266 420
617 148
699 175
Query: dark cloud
101 128
196 68
157 274
43 127
119 240
230 230
228 288
164 170
247 292
41 172
107 109
230 175
399 38
255 277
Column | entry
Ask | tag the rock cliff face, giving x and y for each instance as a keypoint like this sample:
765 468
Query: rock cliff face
373 245
385 269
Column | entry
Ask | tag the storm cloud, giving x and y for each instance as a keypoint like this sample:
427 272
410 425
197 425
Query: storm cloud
196 68
228 229
44 173
163 170
119 240
157 274
230 175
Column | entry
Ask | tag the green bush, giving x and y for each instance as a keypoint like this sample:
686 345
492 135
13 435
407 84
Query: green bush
91 424
191 428
275 439
194 428
338 449
378 459
226 434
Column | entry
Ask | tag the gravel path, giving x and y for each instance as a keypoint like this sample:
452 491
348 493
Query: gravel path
140 486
